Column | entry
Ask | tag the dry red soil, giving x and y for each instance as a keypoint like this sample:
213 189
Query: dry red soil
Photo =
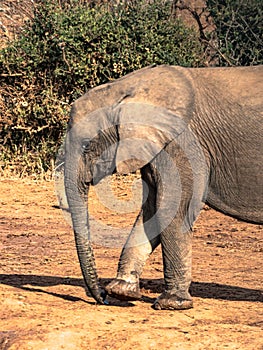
43 301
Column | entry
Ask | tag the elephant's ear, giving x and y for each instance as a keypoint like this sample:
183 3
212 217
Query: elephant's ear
144 130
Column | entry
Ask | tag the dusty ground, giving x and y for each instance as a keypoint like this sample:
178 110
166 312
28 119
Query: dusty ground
43 302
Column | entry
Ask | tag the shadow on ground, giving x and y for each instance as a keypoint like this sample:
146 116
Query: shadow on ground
33 283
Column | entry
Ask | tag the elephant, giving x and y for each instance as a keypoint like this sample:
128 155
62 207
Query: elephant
195 135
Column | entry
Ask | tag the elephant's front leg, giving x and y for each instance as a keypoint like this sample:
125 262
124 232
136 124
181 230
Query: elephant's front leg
177 261
143 239
179 195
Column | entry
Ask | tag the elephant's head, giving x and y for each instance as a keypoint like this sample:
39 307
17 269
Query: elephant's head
110 131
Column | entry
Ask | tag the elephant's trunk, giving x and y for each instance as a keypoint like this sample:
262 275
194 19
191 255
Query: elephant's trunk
88 267
79 214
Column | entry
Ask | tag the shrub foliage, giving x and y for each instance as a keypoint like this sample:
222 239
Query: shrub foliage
71 46
239 31
68 49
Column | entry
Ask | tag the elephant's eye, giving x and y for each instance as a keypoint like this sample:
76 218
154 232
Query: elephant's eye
85 145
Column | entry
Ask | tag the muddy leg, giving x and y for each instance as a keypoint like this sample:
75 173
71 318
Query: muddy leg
143 239
177 260
179 199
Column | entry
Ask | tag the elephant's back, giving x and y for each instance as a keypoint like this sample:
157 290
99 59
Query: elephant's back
242 84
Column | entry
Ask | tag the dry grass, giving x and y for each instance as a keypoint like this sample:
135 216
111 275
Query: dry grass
13 15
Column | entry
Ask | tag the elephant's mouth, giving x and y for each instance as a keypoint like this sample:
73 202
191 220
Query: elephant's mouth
99 172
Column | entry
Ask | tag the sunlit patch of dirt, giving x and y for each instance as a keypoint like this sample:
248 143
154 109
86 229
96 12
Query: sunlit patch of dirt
44 305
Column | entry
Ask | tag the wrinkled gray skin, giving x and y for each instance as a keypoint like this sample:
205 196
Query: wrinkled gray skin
196 135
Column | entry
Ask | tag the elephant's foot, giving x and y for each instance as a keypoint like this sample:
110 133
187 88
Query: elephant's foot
122 290
168 300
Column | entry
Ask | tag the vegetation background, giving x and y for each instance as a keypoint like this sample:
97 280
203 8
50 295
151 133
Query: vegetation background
52 51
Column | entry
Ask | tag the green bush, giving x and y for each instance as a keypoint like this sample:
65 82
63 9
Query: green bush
239 31
68 49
